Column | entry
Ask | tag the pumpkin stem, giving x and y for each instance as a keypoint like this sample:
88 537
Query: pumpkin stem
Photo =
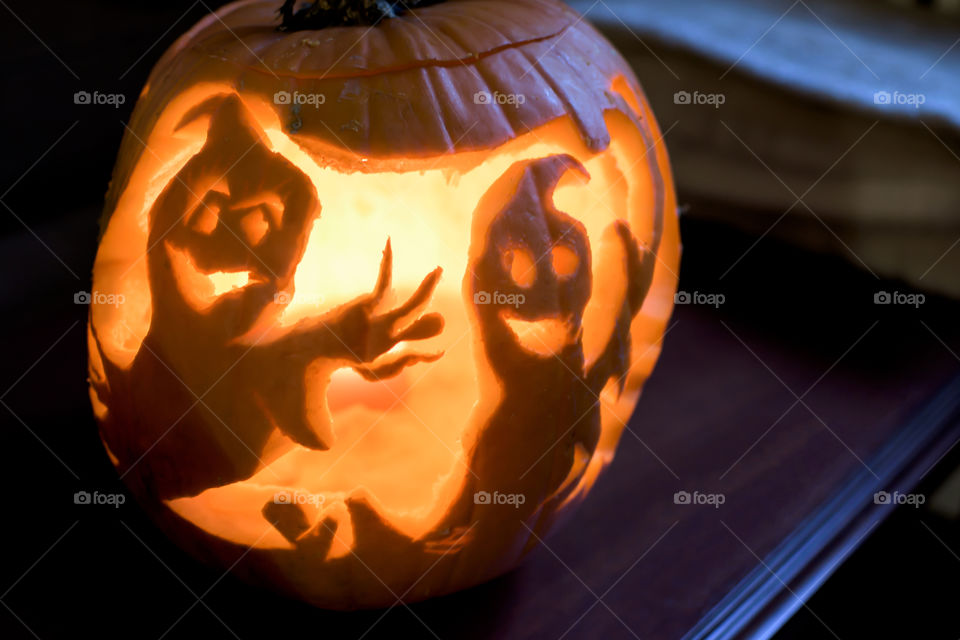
320 14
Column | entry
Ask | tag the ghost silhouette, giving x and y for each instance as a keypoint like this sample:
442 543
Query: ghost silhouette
231 382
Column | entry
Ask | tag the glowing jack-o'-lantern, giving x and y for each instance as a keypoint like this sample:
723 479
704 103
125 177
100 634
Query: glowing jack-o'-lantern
390 292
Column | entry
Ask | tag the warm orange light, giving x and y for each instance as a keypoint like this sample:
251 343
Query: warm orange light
398 422
331 357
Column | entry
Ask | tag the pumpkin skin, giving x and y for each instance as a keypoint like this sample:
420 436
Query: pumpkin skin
373 347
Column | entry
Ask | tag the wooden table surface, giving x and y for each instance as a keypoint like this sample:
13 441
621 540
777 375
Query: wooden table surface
796 400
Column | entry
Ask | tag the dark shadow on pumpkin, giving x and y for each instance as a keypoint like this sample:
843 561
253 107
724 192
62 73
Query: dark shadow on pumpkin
479 612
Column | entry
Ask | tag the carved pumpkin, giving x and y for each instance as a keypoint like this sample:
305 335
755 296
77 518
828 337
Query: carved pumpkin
375 343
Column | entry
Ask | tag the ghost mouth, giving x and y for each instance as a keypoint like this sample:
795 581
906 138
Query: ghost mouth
544 336
201 289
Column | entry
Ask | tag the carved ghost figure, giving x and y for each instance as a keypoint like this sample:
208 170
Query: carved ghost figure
538 261
213 219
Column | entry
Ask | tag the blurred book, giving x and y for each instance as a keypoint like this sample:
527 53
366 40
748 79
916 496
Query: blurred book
835 125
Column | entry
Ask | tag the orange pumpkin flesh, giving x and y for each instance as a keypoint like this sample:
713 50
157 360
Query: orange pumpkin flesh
349 323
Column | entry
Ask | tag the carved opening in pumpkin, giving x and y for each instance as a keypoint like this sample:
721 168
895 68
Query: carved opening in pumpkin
398 436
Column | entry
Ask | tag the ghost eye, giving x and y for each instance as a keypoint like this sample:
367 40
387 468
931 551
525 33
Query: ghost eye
564 260
520 264
206 215
255 226
270 205
205 218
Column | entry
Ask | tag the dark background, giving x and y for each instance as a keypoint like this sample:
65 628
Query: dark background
52 50
73 570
